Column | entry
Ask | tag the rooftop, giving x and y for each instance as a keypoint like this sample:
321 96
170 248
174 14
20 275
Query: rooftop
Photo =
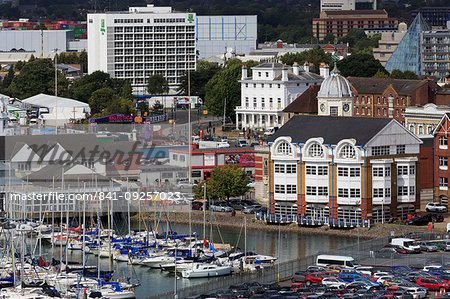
331 128
306 102
379 85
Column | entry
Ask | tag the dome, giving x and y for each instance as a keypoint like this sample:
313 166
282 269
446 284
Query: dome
335 86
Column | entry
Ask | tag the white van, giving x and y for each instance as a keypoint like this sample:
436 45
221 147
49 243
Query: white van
335 260
407 244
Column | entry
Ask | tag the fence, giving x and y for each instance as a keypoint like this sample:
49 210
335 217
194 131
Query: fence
362 252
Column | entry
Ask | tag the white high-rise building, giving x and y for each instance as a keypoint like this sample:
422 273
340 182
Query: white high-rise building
142 42
347 4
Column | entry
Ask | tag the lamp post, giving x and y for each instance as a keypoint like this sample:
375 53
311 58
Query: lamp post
56 89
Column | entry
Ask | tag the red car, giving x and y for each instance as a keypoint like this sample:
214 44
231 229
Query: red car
317 277
433 284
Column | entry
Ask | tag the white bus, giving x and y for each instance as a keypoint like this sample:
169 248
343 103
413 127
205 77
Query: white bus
335 260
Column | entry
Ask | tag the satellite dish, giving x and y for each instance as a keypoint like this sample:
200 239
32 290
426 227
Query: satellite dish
228 55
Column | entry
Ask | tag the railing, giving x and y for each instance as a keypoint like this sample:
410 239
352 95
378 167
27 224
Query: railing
313 221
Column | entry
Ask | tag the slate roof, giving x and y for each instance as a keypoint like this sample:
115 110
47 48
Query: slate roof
379 85
306 102
301 76
269 65
331 128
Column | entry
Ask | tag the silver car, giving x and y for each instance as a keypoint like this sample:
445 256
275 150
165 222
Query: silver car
428 246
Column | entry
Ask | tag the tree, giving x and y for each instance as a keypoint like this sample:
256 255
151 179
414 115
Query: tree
143 107
157 85
358 40
398 74
328 39
359 65
8 78
381 74
83 88
225 182
157 107
315 55
40 26
204 72
127 91
119 105
36 77
101 98
224 87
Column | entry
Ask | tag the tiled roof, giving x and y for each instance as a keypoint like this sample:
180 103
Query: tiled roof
306 102
379 85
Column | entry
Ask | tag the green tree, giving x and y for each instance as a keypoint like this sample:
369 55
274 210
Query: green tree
101 98
157 107
36 77
358 40
204 72
143 107
398 74
224 87
328 39
381 74
83 88
40 26
8 78
119 105
315 55
228 181
359 65
157 85
127 91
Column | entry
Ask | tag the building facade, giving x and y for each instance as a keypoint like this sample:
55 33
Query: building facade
422 120
379 97
436 53
359 172
442 155
142 42
217 34
261 172
435 16
268 91
388 43
341 22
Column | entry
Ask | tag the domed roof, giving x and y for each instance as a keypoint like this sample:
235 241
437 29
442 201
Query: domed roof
335 86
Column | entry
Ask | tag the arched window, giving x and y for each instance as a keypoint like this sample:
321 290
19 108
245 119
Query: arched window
411 128
421 129
347 152
430 129
284 148
315 150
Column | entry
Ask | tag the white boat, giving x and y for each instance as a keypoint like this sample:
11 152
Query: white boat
157 261
110 293
206 270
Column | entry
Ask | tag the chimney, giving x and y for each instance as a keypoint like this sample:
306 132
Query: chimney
244 72
295 69
324 70
306 67
284 73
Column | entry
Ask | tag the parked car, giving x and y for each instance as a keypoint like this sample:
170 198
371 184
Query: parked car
434 217
317 277
198 205
185 184
299 276
270 131
250 209
417 221
222 138
435 207
334 282
428 246
445 246
433 284
387 252
402 294
208 138
220 207
241 142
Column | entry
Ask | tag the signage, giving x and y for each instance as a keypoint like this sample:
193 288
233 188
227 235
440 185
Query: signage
205 112
138 119
190 18
102 26
240 159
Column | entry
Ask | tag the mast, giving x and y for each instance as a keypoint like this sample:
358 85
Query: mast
245 235
109 232
84 227
128 206
204 210
189 123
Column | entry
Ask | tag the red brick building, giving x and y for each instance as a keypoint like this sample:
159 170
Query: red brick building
388 98
341 22
442 155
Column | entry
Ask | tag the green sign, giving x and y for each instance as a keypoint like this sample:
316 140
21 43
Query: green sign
102 27
190 18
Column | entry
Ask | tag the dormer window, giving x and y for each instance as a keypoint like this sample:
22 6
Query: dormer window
315 150
284 148
347 152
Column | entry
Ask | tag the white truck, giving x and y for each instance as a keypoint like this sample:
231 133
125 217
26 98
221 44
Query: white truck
409 245
212 144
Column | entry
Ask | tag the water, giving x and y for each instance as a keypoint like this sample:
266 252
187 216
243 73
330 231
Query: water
293 245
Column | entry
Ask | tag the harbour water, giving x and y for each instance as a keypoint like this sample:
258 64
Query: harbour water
292 246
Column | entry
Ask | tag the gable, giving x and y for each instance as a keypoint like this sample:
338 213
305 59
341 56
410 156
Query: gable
25 154
444 125
57 152
79 169
394 134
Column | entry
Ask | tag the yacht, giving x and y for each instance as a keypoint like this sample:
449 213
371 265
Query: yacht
206 270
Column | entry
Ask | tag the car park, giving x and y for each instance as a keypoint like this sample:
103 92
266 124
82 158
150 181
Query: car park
435 207
334 282
433 284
